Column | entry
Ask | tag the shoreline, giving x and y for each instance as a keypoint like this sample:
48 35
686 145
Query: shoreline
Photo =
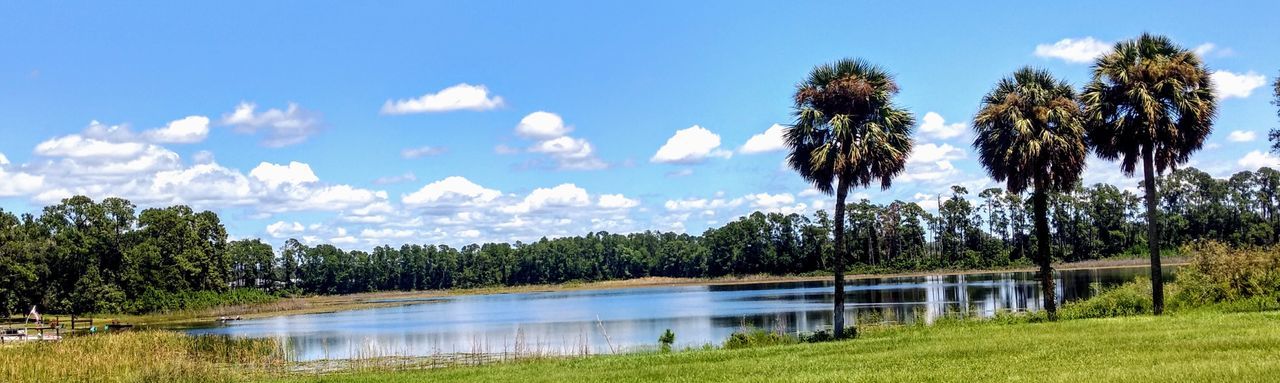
360 301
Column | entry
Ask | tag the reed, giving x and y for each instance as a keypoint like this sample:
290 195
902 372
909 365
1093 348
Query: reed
142 356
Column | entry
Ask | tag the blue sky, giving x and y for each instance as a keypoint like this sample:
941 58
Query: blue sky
362 124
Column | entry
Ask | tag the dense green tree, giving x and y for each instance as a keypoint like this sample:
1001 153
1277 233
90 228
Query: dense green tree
1029 135
1150 102
1275 133
848 132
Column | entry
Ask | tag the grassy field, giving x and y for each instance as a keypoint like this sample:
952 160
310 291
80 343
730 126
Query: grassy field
1204 346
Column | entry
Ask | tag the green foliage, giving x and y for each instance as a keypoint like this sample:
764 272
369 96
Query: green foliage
157 301
757 338
1218 273
666 340
1132 298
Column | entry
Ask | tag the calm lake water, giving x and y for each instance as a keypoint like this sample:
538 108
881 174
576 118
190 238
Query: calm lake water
571 322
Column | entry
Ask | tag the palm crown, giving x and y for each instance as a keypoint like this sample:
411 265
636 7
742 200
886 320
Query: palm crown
848 127
1029 131
1149 92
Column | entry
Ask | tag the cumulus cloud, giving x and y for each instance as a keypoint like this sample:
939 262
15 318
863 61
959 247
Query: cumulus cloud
931 153
458 97
188 130
542 125
934 126
275 175
452 191
1074 50
3 160
422 151
1258 159
77 146
771 140
690 145
282 229
1242 136
563 195
18 183
1228 85
569 153
280 127
616 201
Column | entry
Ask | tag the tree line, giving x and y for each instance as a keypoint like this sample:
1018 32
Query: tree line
84 256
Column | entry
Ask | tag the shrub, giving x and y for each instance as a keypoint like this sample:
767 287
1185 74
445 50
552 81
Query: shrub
156 301
666 340
1217 273
757 338
1131 298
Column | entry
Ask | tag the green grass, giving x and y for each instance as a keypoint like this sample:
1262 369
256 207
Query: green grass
1201 346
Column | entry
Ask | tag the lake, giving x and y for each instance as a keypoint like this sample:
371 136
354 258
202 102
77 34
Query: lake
576 322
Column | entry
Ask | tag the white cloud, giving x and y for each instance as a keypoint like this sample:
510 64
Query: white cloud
563 195
932 153
458 97
3 160
17 184
690 145
1074 50
424 151
282 229
77 146
1242 136
1204 49
542 125
616 201
695 204
570 153
386 233
565 146
934 126
450 192
190 129
283 127
1258 159
1227 84
275 175
771 140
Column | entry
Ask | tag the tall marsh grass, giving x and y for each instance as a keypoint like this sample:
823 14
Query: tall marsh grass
142 356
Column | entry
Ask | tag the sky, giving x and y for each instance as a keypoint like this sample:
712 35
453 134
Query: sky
369 123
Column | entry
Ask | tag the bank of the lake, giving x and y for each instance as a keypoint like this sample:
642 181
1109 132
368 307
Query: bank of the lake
334 303
1188 347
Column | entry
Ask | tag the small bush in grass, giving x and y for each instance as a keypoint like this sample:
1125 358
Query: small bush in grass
666 340
757 338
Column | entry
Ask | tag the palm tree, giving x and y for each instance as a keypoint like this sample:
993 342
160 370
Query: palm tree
1029 133
1150 102
847 133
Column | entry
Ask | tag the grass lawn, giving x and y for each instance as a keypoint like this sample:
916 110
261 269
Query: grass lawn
1202 346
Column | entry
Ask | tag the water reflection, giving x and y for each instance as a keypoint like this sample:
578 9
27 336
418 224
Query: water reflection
575 322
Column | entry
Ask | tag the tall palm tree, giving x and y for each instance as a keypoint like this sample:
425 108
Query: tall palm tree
1029 133
1150 102
847 133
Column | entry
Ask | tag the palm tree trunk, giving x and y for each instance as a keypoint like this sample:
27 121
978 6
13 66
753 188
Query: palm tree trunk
1153 232
1041 206
837 262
